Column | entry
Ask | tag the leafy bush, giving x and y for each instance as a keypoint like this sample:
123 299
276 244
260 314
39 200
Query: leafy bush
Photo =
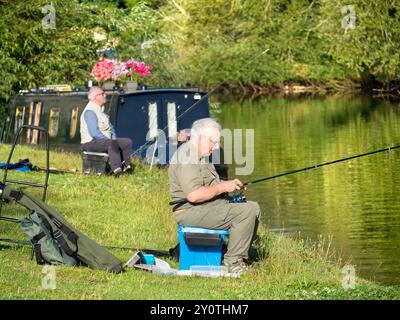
32 55
267 42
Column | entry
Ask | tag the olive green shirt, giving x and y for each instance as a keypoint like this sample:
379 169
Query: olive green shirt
188 171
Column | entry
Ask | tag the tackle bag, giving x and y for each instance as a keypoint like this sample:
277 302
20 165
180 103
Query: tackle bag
45 248
55 241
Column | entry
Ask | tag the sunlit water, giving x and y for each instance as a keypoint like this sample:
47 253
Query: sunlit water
354 203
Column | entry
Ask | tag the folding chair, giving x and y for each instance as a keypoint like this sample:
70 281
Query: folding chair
31 134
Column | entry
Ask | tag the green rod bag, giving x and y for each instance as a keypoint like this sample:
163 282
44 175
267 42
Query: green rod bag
72 241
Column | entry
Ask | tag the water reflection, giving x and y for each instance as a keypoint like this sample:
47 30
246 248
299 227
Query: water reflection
355 202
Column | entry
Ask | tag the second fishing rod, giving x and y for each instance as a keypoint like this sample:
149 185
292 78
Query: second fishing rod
239 197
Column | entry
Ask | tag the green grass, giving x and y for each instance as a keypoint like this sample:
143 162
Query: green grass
133 211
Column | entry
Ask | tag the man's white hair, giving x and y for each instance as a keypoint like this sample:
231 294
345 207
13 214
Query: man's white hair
93 92
203 127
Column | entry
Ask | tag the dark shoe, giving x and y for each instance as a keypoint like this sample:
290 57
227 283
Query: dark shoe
117 173
127 169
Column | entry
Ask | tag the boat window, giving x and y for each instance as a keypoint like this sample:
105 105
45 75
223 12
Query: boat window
73 122
5 127
35 112
153 122
19 118
172 125
54 122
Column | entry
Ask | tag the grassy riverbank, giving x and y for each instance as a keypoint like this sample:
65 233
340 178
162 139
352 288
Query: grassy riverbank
133 211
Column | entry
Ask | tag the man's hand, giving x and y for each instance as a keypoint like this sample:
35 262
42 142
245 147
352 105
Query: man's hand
231 185
206 193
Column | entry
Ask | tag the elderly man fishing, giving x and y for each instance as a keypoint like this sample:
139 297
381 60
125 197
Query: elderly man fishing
98 134
194 179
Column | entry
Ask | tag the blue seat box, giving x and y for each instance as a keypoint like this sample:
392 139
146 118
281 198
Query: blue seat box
200 246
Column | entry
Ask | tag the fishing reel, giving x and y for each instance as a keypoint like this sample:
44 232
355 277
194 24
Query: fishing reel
237 197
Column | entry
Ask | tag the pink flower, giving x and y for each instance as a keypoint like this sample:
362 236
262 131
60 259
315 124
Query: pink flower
111 69
138 69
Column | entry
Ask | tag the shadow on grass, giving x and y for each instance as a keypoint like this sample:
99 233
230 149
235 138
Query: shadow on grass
13 244
4 247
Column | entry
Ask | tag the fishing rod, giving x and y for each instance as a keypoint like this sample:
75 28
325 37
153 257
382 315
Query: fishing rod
161 253
318 165
240 197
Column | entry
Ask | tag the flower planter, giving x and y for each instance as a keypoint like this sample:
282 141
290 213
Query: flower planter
120 72
109 85
130 86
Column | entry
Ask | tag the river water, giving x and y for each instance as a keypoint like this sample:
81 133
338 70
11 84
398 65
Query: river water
353 205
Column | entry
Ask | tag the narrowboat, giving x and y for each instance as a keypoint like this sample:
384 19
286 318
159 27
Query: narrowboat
149 117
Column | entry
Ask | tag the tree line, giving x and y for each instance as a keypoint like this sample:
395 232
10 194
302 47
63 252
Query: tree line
259 44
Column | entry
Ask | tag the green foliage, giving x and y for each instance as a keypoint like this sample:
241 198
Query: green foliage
155 4
202 42
371 49
33 56
268 42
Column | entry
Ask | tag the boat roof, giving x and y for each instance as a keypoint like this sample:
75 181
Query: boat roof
120 93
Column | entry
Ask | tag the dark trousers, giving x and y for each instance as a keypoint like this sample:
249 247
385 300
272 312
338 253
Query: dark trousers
114 148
